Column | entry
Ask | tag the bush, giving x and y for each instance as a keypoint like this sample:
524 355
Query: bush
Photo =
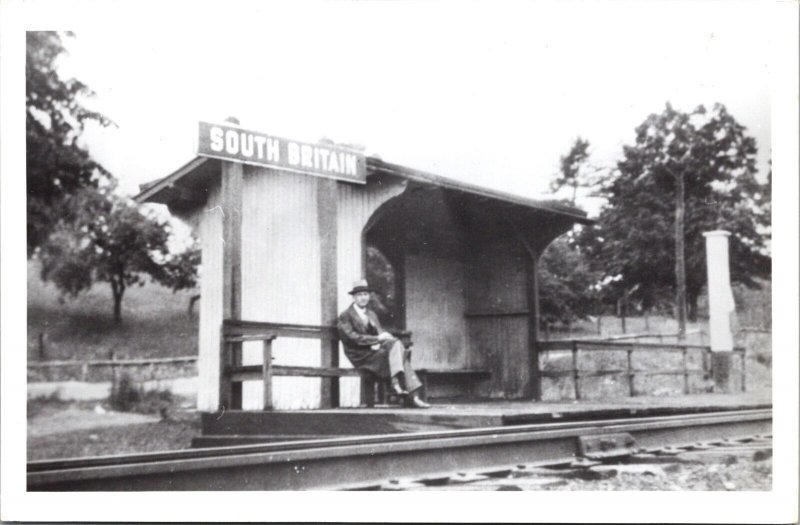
126 396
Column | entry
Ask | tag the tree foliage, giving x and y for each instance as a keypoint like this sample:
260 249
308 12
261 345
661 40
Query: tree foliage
102 237
57 165
567 283
634 238
572 168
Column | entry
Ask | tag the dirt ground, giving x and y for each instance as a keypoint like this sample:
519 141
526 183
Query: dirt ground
741 474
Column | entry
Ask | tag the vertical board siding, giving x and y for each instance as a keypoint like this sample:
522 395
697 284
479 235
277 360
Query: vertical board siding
357 203
498 343
497 279
435 300
209 222
496 282
280 278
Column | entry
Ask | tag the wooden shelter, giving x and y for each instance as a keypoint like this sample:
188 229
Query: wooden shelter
455 264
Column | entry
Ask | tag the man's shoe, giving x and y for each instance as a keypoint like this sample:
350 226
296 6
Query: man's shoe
397 388
415 402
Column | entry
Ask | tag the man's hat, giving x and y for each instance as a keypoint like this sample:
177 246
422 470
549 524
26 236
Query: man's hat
360 286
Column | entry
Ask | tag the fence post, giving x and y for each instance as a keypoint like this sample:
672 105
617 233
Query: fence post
42 347
575 373
114 378
85 371
744 369
685 370
266 369
631 388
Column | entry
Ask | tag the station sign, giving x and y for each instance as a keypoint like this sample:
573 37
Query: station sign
233 143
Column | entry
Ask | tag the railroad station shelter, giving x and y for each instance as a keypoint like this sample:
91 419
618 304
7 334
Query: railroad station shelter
286 228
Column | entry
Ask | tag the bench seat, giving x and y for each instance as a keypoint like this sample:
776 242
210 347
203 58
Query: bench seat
451 375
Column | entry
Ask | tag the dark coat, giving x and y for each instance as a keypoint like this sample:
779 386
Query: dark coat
358 339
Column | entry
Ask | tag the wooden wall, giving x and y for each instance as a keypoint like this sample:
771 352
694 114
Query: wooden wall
280 278
435 301
497 318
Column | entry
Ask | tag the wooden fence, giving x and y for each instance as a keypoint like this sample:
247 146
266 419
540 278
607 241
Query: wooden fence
114 365
658 335
576 373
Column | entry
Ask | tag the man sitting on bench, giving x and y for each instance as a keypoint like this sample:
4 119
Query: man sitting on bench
371 348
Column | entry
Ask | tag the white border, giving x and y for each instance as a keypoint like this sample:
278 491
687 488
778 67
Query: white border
779 505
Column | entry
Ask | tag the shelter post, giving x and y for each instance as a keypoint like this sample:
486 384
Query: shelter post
327 197
230 395
532 274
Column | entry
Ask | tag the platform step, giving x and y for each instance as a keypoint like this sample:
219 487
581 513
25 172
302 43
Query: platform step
311 424
233 440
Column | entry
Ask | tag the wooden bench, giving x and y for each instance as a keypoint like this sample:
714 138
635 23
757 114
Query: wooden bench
233 373
451 375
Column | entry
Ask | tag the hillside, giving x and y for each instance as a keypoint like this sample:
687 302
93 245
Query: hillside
154 322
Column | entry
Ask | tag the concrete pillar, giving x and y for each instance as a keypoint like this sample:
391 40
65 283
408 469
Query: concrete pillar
720 306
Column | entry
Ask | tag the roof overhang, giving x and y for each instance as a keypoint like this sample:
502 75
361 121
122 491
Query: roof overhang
548 206
188 187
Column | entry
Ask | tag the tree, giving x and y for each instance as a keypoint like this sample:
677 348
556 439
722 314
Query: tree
102 237
687 173
567 285
57 165
571 168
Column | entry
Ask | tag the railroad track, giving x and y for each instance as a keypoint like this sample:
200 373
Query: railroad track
543 475
370 461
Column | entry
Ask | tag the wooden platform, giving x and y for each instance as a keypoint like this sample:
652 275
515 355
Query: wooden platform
241 427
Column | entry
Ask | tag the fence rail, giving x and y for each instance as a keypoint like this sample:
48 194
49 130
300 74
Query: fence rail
113 362
659 335
576 346
84 365
755 329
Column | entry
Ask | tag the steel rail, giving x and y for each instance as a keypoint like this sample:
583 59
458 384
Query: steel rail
95 461
359 461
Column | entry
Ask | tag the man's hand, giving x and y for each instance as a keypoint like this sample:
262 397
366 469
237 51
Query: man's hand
384 336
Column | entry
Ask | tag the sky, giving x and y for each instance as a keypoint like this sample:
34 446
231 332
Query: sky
491 94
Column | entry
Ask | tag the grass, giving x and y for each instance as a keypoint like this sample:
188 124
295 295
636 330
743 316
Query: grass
62 429
155 322
173 433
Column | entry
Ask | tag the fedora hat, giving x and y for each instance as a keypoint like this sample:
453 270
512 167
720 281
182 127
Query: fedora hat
360 286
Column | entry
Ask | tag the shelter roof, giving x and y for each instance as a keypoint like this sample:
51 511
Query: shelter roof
190 182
